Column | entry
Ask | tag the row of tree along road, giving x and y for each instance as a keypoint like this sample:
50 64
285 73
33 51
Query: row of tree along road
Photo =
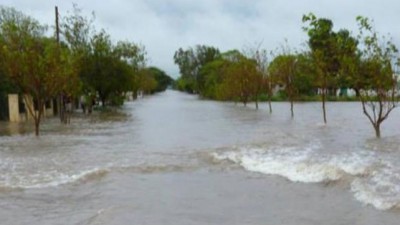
333 61
78 60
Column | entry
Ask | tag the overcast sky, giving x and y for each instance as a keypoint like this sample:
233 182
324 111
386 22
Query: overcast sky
163 26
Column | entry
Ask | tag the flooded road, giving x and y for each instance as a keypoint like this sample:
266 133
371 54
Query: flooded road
174 159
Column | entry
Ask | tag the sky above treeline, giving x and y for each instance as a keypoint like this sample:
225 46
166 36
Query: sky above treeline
163 26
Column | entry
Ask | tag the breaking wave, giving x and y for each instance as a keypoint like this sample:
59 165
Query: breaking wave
373 180
53 179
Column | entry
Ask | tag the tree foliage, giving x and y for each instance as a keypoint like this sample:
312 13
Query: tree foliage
163 80
190 62
378 90
83 61
328 50
106 69
37 65
283 70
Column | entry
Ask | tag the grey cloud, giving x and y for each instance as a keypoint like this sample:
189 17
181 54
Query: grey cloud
165 25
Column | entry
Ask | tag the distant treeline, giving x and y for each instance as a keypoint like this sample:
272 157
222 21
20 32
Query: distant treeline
333 61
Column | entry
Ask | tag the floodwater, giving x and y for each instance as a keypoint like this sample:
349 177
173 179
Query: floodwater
174 159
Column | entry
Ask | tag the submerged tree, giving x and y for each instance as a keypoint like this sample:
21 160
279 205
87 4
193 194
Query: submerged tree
283 69
76 33
322 42
213 74
163 80
242 78
190 62
107 69
306 76
37 65
329 51
349 58
265 84
106 73
378 93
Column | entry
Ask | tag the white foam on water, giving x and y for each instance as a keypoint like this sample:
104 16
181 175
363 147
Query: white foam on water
51 179
18 179
381 189
289 162
360 163
375 181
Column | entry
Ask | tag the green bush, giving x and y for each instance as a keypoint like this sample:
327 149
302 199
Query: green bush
116 100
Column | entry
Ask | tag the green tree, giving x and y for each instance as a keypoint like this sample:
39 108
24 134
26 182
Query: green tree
185 59
322 42
106 72
283 69
104 68
37 65
305 75
163 80
135 56
191 61
349 57
147 82
77 32
378 91
243 78
265 84
213 74
331 52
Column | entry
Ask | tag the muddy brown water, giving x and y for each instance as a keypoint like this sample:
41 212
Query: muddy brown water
174 159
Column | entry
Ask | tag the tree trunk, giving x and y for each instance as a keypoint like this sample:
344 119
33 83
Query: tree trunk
37 124
37 117
323 104
377 128
61 109
257 102
291 107
357 92
103 102
270 92
269 104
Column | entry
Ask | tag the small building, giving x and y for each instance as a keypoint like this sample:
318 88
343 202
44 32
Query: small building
346 92
18 108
